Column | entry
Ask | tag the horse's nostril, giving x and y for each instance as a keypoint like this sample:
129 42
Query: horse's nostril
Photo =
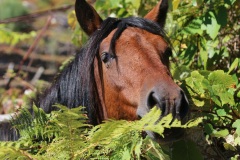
151 102
154 100
177 105
182 106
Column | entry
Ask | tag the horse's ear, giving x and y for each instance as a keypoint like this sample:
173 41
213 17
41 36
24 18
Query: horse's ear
87 17
159 13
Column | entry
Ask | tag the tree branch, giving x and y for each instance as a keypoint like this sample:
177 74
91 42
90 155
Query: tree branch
31 16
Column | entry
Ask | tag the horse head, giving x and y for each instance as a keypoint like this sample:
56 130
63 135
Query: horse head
131 68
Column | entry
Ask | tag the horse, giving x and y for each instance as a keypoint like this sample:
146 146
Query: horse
122 71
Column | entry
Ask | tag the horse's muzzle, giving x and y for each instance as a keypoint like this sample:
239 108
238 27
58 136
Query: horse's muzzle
171 101
177 106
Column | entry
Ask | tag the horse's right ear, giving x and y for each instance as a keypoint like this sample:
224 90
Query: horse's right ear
87 17
159 13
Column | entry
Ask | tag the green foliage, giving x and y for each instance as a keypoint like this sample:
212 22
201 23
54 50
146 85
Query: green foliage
212 93
202 32
204 60
210 87
67 133
12 8
118 8
11 37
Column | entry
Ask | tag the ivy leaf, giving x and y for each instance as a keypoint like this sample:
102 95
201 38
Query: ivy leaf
198 85
221 96
221 112
198 103
213 29
236 125
208 128
227 98
218 77
237 140
221 133
204 57
219 82
194 27
211 25
210 47
195 81
234 65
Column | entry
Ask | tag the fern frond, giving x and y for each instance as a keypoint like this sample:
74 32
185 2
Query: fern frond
73 130
36 126
13 153
153 150
65 134
117 138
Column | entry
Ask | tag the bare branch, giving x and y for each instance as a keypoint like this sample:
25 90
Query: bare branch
31 16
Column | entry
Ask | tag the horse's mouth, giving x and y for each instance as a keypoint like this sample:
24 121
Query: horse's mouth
169 135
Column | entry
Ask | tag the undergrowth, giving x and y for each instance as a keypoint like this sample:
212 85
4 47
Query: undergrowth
65 134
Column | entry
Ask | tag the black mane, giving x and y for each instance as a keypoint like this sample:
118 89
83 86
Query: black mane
75 86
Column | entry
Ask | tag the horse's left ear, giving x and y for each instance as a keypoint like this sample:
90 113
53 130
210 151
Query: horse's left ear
87 17
159 13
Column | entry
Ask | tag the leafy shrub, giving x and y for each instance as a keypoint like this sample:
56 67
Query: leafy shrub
204 60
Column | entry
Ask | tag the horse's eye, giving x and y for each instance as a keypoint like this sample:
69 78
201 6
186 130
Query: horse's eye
105 57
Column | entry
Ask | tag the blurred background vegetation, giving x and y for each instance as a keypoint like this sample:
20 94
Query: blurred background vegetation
35 40
36 37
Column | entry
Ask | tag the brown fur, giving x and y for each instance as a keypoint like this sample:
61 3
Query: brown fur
139 60
137 77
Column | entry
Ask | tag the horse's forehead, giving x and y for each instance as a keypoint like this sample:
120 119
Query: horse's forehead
136 37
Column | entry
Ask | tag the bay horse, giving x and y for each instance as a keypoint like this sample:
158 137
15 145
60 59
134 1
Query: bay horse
122 71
